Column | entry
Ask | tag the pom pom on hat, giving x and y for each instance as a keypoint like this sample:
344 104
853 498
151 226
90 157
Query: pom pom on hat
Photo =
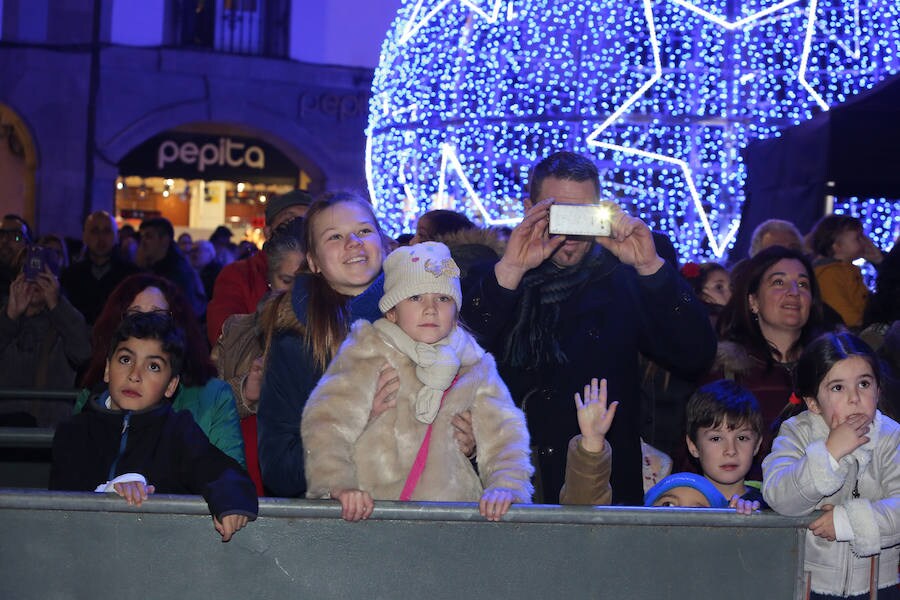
691 480
420 269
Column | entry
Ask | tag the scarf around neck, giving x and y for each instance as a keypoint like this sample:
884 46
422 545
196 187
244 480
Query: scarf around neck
436 364
534 339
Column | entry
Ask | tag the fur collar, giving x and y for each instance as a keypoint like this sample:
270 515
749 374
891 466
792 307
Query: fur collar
474 237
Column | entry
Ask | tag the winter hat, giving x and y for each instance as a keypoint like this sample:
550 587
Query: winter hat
691 480
420 269
279 203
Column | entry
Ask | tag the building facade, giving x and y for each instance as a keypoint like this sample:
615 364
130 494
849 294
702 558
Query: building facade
193 109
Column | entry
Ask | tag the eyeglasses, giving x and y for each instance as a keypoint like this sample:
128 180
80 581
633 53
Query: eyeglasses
12 234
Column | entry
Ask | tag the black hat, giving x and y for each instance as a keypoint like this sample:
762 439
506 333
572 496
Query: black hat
279 203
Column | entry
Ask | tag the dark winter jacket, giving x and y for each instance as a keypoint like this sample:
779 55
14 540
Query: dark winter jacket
612 317
86 291
290 377
166 447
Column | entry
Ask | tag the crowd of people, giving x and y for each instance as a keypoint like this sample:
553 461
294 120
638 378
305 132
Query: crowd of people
339 364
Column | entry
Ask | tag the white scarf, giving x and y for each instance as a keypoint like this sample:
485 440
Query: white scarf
436 364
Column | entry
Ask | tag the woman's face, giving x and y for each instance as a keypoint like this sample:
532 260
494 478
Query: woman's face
149 300
282 279
784 297
346 247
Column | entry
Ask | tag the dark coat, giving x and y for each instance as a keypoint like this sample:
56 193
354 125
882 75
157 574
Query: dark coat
175 267
611 318
166 447
290 376
87 292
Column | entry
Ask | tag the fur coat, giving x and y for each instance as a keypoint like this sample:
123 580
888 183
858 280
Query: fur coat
343 450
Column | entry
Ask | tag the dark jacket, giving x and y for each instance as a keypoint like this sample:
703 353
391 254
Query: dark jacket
86 291
175 267
165 446
604 324
289 379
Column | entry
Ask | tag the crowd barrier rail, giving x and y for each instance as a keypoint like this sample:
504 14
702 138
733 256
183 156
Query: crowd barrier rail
82 545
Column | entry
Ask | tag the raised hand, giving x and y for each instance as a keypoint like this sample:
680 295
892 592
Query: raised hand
20 294
594 417
529 245
632 243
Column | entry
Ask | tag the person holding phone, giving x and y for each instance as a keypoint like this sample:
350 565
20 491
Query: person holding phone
43 340
557 309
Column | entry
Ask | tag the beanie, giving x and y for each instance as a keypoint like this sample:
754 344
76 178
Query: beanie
690 480
420 269
279 203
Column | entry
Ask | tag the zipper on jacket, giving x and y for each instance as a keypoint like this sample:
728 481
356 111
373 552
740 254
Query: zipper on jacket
846 545
123 441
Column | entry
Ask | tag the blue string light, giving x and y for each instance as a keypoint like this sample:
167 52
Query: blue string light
663 94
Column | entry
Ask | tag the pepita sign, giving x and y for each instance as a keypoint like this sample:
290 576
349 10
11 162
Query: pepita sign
226 153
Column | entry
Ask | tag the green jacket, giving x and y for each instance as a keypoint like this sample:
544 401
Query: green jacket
212 407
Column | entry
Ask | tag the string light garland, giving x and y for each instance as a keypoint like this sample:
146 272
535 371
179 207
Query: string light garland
663 94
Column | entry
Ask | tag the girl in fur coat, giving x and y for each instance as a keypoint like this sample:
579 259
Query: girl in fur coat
840 456
410 453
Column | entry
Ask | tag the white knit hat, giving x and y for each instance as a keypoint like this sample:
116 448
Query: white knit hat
420 269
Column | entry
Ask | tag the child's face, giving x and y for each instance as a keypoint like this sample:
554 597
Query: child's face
684 497
849 388
848 245
346 248
139 375
426 318
725 454
717 289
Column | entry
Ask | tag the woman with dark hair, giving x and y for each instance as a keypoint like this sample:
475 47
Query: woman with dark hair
208 398
775 310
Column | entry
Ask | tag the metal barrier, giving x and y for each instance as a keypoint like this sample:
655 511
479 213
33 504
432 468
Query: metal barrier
75 545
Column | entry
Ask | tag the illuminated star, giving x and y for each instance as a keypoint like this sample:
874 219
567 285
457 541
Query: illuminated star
718 246
450 161
421 16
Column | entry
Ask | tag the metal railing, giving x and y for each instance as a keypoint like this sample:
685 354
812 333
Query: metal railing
76 545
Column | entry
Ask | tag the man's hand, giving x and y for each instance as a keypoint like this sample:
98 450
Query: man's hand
48 287
529 245
631 241
20 293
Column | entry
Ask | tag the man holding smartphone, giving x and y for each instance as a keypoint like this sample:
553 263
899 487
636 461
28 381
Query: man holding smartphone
559 310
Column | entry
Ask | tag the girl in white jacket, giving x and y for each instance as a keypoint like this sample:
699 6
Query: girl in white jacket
840 457
410 452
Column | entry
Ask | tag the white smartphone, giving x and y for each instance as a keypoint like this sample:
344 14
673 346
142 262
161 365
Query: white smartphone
582 219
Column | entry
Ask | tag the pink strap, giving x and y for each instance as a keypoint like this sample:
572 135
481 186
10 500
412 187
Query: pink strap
421 457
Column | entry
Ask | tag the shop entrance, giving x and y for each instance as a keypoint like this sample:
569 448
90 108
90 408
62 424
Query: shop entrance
200 181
